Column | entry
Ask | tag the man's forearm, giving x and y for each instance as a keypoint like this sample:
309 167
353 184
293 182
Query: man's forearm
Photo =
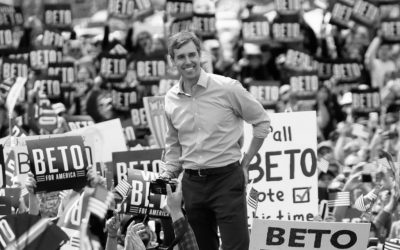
255 145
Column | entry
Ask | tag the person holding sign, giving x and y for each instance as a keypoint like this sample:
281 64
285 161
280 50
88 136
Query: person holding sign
205 114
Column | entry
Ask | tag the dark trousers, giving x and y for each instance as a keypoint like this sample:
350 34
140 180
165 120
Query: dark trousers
217 201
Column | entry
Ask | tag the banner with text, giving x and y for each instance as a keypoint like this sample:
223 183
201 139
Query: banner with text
284 171
288 235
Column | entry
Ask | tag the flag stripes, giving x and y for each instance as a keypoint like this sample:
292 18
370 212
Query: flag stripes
123 188
391 246
339 199
252 199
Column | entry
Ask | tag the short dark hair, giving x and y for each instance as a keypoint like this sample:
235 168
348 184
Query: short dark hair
181 38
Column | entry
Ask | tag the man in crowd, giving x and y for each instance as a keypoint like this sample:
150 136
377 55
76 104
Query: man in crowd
205 114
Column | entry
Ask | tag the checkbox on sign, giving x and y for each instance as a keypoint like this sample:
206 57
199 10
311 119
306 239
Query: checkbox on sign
301 195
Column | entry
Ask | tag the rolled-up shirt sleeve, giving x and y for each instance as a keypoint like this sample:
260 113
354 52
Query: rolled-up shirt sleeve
173 150
251 110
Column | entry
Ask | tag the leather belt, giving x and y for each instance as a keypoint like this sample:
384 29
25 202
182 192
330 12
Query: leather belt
202 172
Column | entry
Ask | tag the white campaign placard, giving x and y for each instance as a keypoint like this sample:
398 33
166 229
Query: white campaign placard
104 138
289 235
284 171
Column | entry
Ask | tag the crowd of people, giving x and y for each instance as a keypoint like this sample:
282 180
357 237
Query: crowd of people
353 135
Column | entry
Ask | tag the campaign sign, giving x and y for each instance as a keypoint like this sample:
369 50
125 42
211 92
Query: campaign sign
256 29
204 25
58 163
365 12
65 69
289 235
16 53
6 37
52 37
113 66
180 24
11 15
44 117
129 131
299 61
121 8
50 86
13 194
304 85
5 205
140 199
365 101
151 69
341 14
288 7
179 8
284 171
155 114
347 70
123 99
58 16
146 160
41 57
142 5
267 92
287 32
14 68
79 121
391 30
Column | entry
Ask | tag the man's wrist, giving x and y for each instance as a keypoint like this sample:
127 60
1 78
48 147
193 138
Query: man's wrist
176 215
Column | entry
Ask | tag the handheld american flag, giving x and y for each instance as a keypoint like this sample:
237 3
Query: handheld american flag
389 245
123 188
339 199
99 202
252 199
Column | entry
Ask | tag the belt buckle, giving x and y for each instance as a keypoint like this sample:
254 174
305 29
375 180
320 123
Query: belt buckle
199 173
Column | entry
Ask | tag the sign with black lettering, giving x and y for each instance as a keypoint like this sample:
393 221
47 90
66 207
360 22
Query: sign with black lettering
124 99
50 86
58 163
204 25
58 16
341 14
179 8
287 32
140 199
17 131
113 66
180 24
121 8
300 61
347 70
150 70
65 69
284 172
6 37
146 160
52 37
40 58
11 16
14 68
2 169
41 116
267 92
290 235
324 69
255 29
79 121
365 101
305 86
142 5
288 7
365 12
391 30
129 131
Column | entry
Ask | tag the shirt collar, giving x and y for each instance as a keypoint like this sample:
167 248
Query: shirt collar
203 82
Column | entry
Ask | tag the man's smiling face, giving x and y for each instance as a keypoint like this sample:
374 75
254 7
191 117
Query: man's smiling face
187 61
